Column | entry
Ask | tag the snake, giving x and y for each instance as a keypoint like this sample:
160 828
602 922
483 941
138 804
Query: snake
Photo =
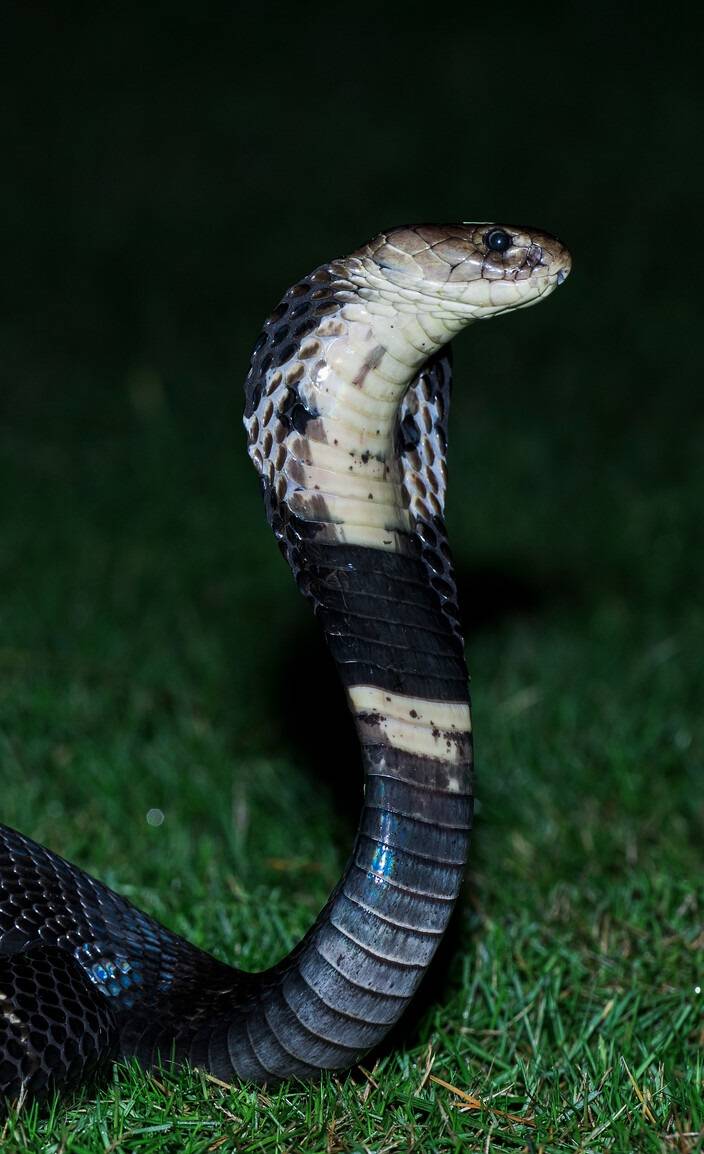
346 415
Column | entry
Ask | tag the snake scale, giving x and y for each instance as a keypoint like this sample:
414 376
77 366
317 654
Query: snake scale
346 414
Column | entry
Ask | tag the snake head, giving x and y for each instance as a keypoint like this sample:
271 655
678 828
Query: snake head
467 271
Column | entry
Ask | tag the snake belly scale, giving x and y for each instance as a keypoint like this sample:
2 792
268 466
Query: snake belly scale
346 414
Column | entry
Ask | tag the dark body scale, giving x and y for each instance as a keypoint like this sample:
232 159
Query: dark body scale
86 977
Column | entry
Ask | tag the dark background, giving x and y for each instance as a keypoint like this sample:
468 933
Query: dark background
167 173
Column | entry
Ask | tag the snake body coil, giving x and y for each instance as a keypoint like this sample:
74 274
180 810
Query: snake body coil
346 414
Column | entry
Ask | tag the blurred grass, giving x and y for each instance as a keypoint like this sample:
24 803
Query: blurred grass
155 211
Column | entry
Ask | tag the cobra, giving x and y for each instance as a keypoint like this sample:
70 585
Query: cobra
346 415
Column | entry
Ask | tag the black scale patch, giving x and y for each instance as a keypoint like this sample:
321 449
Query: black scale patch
369 644
56 1029
421 446
295 317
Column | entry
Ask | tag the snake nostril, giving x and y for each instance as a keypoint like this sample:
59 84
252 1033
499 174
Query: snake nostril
562 275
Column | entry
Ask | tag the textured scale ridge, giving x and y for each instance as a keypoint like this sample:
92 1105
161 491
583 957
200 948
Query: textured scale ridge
346 410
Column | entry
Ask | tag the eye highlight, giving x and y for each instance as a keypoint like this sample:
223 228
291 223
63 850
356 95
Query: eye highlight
497 240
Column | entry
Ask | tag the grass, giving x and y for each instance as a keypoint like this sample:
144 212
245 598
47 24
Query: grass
148 631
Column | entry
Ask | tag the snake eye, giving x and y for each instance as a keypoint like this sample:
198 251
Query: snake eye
497 240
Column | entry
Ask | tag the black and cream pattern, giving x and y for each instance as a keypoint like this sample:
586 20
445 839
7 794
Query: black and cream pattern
346 412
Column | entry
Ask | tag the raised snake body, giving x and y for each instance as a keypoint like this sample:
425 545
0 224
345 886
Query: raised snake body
346 414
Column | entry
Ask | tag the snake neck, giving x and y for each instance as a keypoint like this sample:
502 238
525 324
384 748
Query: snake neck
346 414
328 374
